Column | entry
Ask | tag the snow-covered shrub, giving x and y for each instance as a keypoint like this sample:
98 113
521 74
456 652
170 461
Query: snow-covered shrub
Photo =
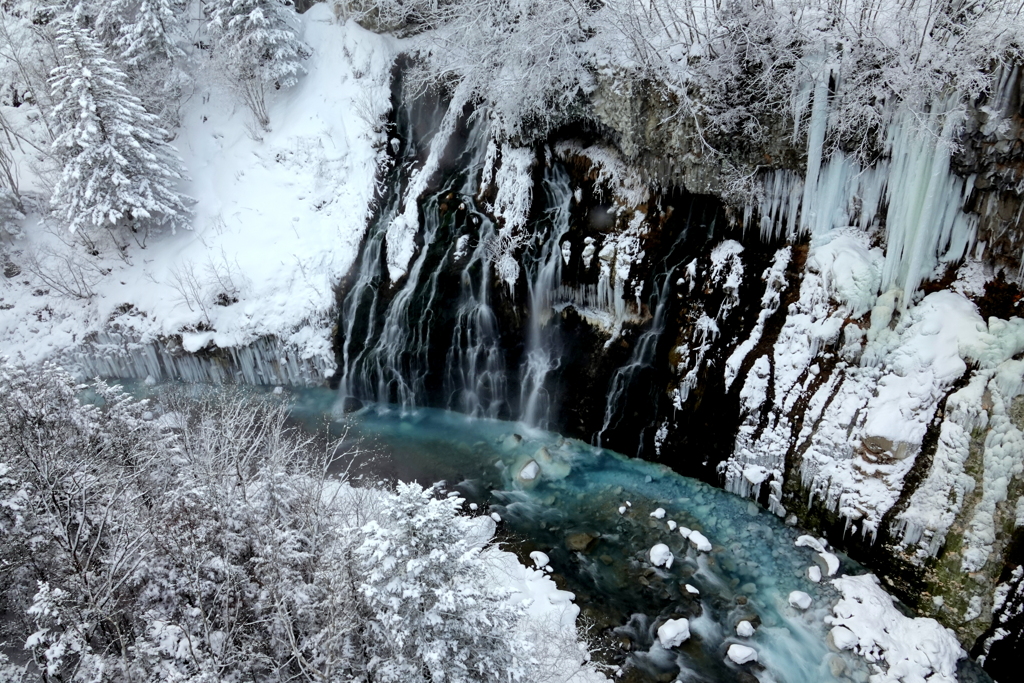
523 59
201 540
117 172
390 15
72 520
26 57
732 70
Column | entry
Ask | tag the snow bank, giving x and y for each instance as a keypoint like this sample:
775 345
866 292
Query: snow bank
910 650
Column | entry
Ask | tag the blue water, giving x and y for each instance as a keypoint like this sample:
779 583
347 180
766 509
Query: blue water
749 574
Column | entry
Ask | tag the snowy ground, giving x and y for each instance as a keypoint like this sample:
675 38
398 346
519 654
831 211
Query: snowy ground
278 218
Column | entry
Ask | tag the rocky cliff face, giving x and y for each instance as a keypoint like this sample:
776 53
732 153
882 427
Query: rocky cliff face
786 370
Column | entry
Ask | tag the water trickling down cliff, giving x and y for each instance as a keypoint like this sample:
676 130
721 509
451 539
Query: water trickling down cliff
839 347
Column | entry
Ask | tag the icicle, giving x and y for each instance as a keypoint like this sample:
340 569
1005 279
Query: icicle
815 145
266 361
925 221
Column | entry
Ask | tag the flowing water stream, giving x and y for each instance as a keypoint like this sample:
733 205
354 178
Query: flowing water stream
590 510
571 512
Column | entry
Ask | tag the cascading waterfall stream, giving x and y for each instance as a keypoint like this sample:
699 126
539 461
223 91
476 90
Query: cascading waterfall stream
474 366
642 358
544 279
387 355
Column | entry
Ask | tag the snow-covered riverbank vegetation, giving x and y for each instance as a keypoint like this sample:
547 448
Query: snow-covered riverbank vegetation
201 539
775 245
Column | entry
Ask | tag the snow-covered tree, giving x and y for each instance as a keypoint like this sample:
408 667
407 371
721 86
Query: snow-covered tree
151 39
434 613
148 30
200 539
257 42
117 168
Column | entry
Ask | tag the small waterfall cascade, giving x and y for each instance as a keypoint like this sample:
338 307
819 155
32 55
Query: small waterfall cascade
475 380
544 285
393 334
641 359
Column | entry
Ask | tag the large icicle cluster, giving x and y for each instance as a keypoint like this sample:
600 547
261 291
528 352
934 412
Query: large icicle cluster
912 190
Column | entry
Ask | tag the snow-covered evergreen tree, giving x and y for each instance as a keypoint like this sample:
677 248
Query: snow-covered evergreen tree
257 42
152 40
150 30
117 168
433 614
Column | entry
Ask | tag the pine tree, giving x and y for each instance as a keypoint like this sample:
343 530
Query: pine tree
258 43
116 166
151 30
433 612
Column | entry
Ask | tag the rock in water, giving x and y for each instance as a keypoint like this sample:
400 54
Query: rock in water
539 559
741 654
579 542
661 556
674 632
800 600
530 471
744 629
700 541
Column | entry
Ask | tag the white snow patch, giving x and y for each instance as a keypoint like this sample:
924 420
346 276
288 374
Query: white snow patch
540 560
800 600
906 650
699 541
741 654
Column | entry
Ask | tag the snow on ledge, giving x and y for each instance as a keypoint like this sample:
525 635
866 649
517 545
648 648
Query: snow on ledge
909 650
